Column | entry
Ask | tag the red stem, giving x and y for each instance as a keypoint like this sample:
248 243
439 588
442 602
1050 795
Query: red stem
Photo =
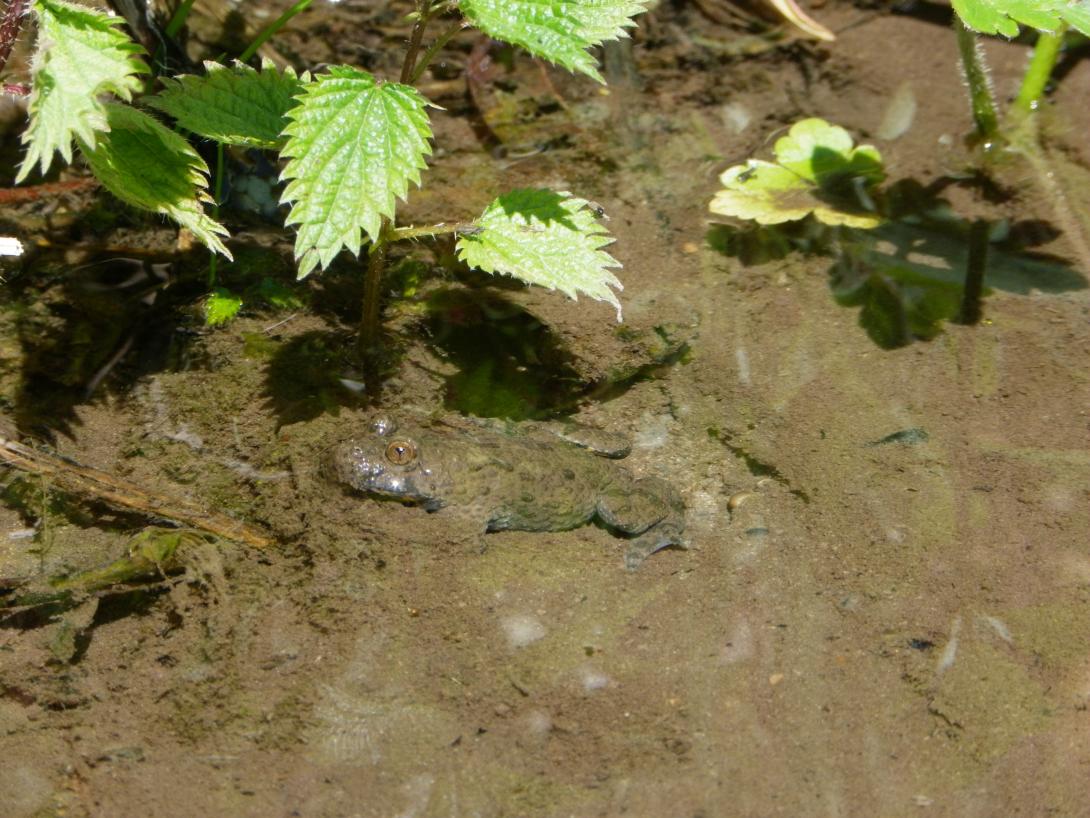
10 26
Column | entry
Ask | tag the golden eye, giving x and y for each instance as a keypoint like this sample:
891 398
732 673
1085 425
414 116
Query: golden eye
400 452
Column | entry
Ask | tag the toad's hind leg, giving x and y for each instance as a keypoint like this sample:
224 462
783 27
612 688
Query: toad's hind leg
650 510
665 533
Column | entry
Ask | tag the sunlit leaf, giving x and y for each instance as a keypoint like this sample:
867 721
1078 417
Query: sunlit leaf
148 166
81 54
818 170
602 20
222 305
545 238
560 31
235 105
354 144
1004 16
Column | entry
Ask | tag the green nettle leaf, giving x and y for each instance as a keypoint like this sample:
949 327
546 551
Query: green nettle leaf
355 144
546 238
560 31
147 165
81 54
222 305
602 20
235 105
1077 15
1004 16
817 171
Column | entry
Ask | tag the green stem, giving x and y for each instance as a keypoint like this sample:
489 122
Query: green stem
177 21
276 25
369 342
434 49
152 554
976 74
399 233
1039 71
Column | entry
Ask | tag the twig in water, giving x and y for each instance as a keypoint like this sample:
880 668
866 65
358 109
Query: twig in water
78 479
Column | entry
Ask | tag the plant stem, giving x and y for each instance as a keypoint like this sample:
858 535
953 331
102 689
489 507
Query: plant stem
1039 71
177 21
369 339
276 25
399 233
976 74
423 15
434 48
10 26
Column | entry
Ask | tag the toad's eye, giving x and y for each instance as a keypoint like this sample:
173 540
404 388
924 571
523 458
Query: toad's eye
401 452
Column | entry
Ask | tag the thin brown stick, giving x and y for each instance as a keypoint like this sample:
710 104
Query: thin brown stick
87 481
16 195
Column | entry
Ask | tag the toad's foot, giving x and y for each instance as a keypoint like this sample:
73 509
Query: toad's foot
661 536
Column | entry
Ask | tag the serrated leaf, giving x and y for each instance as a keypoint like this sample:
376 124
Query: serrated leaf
81 54
817 171
602 20
147 165
222 305
560 31
1004 16
355 144
235 105
545 238
1077 15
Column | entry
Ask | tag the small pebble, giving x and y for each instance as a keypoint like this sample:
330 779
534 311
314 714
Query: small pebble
538 723
522 630
593 680
736 500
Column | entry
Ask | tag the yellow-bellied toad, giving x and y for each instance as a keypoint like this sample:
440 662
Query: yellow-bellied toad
511 478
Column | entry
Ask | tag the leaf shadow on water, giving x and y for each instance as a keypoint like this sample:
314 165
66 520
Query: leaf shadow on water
908 275
908 279
508 363
93 329
310 375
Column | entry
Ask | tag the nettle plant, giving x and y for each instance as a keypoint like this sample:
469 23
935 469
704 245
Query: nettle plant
352 142
1052 20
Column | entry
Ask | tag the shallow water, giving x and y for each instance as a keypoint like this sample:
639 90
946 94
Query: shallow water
884 607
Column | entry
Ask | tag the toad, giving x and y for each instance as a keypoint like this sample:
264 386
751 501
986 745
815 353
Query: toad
514 476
